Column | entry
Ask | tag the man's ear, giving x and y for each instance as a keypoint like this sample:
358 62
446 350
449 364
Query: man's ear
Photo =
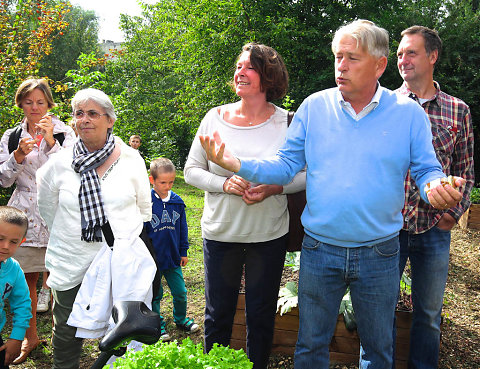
381 66
151 179
433 57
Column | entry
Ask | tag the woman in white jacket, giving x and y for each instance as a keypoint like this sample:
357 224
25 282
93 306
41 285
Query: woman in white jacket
23 150
99 181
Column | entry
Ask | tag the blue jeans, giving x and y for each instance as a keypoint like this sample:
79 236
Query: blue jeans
224 264
176 283
429 255
325 273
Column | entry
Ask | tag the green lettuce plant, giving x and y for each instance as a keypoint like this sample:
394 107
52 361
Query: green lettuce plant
475 195
186 355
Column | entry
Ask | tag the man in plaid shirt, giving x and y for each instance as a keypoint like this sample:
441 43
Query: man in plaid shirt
425 237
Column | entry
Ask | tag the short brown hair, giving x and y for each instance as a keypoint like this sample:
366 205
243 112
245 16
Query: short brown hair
270 65
12 215
136 136
161 165
430 37
31 84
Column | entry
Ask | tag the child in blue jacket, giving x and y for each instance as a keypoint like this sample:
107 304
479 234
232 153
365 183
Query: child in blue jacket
169 234
13 228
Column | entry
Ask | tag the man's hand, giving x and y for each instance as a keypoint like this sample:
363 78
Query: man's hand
236 185
260 193
446 197
12 350
446 222
217 153
183 261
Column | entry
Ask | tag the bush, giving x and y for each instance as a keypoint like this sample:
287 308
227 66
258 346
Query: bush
475 195
187 355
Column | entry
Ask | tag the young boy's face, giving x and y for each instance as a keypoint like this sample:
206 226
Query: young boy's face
11 236
163 183
134 142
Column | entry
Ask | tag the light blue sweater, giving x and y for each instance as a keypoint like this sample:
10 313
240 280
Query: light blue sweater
355 169
14 287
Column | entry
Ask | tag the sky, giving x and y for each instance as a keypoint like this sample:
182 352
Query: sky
109 12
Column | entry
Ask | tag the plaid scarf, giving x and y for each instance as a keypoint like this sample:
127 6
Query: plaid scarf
90 194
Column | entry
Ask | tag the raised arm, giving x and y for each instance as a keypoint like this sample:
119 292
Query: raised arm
217 152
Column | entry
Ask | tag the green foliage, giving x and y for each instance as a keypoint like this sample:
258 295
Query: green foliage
179 56
5 194
27 29
186 355
287 298
406 284
81 36
475 195
346 309
292 260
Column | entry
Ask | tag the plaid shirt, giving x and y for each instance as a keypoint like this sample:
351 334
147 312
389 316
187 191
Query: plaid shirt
452 132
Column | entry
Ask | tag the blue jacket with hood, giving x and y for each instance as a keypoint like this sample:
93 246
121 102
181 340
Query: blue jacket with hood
168 230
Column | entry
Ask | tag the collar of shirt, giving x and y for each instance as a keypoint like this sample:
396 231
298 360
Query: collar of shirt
166 199
367 109
437 98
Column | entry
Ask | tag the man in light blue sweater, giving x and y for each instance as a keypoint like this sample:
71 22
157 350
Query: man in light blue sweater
358 141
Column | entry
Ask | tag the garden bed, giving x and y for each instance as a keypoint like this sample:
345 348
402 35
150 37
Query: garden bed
345 345
471 218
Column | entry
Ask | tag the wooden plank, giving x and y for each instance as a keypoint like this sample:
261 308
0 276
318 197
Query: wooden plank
474 216
282 349
238 344
345 344
463 221
239 318
401 350
344 347
403 319
287 322
285 338
239 332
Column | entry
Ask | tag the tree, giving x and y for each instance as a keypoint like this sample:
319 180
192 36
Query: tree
81 36
178 57
22 23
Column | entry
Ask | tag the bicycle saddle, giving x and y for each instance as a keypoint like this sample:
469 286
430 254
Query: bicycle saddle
134 321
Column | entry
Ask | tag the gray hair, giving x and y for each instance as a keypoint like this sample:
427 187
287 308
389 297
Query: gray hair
98 97
370 37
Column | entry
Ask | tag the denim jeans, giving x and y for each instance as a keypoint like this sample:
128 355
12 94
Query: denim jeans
429 255
224 263
325 273
176 283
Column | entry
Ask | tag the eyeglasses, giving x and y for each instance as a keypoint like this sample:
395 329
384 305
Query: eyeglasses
92 114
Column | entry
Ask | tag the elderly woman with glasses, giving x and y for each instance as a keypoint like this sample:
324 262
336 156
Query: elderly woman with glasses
99 184
23 150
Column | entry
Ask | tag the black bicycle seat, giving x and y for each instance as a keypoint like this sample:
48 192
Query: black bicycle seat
134 321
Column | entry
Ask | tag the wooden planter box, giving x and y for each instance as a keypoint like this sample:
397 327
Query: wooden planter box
471 218
345 345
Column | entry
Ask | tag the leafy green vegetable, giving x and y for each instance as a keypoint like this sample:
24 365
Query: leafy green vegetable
287 298
475 195
186 355
346 308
